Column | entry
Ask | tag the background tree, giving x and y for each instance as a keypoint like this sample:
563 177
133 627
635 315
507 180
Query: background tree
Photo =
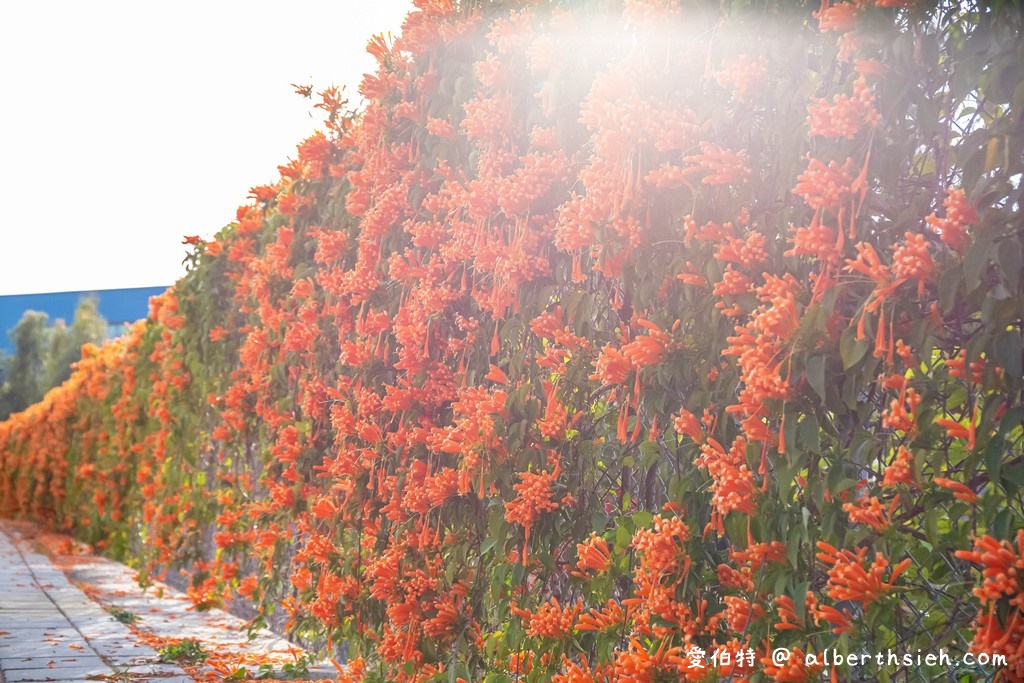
65 343
43 354
24 384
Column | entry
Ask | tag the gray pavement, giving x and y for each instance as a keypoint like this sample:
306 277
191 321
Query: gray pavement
50 630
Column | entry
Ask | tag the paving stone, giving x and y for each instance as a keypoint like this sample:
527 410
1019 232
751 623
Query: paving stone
57 673
41 662
14 624
44 615
40 633
155 670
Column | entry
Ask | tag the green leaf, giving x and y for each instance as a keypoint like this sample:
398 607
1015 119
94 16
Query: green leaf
642 519
800 600
975 263
1003 524
458 671
816 375
810 433
931 525
850 349
1008 352
1013 479
623 537
949 283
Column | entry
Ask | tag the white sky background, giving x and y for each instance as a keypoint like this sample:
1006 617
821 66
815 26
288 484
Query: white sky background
126 125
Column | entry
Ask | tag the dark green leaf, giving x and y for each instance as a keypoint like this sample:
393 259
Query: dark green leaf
1008 352
816 375
851 350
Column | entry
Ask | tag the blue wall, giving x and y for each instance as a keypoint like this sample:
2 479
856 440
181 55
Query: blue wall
118 306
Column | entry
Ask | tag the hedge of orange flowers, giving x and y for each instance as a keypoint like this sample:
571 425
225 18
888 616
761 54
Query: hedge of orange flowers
610 341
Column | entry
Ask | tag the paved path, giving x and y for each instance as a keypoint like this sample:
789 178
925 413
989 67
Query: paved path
50 630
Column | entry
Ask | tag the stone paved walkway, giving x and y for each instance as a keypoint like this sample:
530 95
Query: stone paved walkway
50 630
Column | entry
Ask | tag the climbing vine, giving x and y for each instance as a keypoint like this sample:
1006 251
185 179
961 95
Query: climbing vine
608 341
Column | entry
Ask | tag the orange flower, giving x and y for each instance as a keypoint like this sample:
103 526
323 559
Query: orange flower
786 609
1002 566
960 491
724 167
594 555
840 621
612 366
952 229
870 511
550 620
958 430
900 471
247 587
687 423
845 115
849 580
610 616
841 17
637 665
534 499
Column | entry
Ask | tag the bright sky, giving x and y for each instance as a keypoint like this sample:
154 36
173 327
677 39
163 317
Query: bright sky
127 125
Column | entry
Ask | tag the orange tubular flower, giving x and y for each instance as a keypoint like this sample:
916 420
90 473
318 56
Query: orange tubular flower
900 471
912 261
496 374
724 167
594 556
870 511
958 430
644 350
687 423
637 665
952 229
1002 566
610 616
845 115
840 620
582 672
787 613
849 580
534 499
960 491
612 366
740 613
550 620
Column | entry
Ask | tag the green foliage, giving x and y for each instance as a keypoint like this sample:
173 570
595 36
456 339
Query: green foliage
297 669
122 615
621 330
24 383
45 353
65 347
187 651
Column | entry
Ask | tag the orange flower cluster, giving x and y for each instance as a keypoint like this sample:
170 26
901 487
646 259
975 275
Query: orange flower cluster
550 620
845 115
430 375
535 497
952 229
1002 565
849 580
